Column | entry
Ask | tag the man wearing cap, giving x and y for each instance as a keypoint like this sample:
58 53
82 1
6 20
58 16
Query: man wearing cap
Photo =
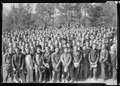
93 60
56 64
66 60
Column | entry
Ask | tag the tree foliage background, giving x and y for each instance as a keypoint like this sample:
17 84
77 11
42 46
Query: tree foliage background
60 14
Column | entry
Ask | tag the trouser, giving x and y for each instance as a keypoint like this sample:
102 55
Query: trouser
38 74
61 71
76 73
22 76
114 72
98 70
9 72
56 75
103 71
93 72
81 71
29 76
65 75
71 70
48 74
85 70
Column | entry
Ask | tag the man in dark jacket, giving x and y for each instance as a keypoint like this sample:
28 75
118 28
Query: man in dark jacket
17 64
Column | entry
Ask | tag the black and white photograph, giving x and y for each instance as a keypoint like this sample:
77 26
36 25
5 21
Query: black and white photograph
59 42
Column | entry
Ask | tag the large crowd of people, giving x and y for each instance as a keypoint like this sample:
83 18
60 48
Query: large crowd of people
59 55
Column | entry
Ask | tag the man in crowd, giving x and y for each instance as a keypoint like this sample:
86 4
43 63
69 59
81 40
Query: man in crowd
103 60
56 65
29 65
17 62
113 62
66 60
93 59
48 64
77 58
7 64
38 61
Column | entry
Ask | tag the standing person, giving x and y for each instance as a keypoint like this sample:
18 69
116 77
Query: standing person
77 58
103 60
17 64
38 61
8 64
61 51
48 65
93 60
99 64
71 66
86 67
66 60
23 72
29 66
113 62
56 65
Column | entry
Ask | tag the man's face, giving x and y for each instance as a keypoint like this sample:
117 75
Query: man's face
10 50
47 49
103 46
65 50
27 50
94 46
87 43
75 48
17 50
56 50
38 50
